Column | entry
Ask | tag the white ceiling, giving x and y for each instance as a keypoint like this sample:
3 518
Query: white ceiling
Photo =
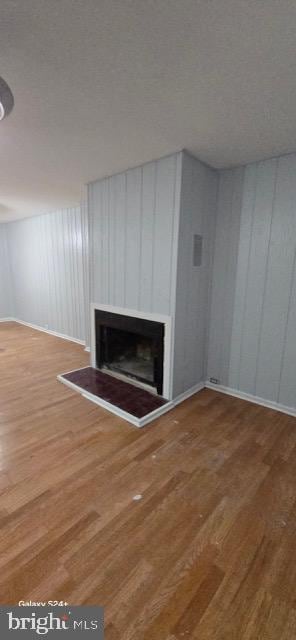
103 85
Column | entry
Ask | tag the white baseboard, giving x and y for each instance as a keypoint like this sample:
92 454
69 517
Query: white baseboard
190 392
56 334
137 422
87 349
156 413
269 404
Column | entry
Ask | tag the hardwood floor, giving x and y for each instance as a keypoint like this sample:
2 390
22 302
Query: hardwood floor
208 553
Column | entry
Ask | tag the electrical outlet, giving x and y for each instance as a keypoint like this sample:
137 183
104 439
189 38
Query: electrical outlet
215 380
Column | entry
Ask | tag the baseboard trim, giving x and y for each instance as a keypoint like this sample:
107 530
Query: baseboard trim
269 404
156 414
136 422
56 334
187 394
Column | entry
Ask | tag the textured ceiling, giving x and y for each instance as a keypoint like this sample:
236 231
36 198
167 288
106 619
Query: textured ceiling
103 85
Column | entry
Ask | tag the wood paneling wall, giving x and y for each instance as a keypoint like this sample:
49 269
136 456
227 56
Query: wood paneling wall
197 216
133 236
47 255
142 224
6 294
253 314
224 273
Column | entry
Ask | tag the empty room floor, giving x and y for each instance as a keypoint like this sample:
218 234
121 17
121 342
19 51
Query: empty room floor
208 552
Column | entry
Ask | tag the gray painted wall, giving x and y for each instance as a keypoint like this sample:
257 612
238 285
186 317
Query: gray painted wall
48 272
6 296
86 274
197 216
133 219
141 236
224 272
141 227
253 313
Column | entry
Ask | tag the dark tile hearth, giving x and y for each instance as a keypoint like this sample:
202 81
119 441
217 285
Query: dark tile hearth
138 402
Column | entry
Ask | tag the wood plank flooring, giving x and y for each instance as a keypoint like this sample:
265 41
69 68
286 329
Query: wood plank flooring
208 553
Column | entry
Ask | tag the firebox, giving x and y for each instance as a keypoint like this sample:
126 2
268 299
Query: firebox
130 347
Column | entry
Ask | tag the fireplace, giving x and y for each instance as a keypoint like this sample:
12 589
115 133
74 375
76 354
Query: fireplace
130 347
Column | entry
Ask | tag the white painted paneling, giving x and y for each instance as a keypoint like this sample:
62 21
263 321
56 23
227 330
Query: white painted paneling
147 235
197 216
140 228
224 272
243 241
257 206
287 387
6 293
119 227
259 328
86 271
133 236
164 234
278 282
142 224
47 259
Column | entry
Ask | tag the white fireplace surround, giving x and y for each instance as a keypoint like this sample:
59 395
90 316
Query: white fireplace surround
133 313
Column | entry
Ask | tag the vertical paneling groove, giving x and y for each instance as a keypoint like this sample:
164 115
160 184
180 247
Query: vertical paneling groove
6 294
212 197
153 235
133 237
147 234
125 238
85 231
284 351
174 237
80 228
141 237
287 386
265 275
110 231
233 226
247 273
163 237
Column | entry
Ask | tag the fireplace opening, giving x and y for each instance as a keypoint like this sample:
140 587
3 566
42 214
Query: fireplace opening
130 347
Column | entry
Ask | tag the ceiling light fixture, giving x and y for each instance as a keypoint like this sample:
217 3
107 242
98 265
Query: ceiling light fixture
6 99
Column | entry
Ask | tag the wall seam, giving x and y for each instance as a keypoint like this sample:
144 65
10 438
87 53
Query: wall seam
266 275
287 324
247 277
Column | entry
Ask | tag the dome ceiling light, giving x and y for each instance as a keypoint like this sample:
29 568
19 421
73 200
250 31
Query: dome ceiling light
6 99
